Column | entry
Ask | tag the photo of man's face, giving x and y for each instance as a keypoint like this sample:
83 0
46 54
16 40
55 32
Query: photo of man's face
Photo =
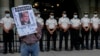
24 18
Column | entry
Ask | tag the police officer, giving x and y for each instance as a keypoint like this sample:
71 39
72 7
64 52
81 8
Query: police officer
41 21
64 25
95 30
75 27
51 25
85 30
8 34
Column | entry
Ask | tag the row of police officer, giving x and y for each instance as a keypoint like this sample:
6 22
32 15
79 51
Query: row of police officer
71 27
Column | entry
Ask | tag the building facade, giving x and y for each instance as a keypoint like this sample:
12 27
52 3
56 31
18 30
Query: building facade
81 5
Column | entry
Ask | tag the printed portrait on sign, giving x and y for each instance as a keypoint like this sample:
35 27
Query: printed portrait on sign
24 18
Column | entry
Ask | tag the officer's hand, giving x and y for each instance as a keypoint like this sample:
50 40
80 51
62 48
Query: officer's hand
95 30
86 29
6 30
51 32
65 29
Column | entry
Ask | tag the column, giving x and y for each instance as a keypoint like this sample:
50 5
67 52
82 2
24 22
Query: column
18 2
84 6
4 6
99 6
91 7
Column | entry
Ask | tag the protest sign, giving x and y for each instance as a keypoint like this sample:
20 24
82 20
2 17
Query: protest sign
24 19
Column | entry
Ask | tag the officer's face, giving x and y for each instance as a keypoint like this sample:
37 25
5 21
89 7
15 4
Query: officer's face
86 15
51 16
64 15
95 15
75 16
7 15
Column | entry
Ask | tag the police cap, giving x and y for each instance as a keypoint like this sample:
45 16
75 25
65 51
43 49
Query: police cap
51 13
64 12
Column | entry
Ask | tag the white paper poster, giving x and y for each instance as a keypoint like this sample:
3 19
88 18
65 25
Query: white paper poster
24 19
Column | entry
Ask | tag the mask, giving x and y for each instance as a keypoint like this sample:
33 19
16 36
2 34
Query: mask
75 16
85 15
64 15
7 15
95 15
51 16
38 15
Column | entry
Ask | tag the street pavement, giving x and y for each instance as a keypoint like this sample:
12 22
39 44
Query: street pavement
94 52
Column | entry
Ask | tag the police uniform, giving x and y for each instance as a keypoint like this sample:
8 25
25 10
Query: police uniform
7 37
51 25
64 25
85 30
41 21
95 21
75 27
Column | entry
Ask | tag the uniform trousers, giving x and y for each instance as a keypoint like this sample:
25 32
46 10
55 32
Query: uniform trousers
75 39
85 38
41 41
94 36
8 39
63 35
53 36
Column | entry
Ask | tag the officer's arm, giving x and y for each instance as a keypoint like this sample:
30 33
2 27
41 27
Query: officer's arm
42 23
11 27
47 28
89 26
54 28
67 28
6 30
60 26
83 27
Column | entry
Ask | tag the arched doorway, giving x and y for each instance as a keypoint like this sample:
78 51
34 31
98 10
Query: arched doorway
69 6
47 6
